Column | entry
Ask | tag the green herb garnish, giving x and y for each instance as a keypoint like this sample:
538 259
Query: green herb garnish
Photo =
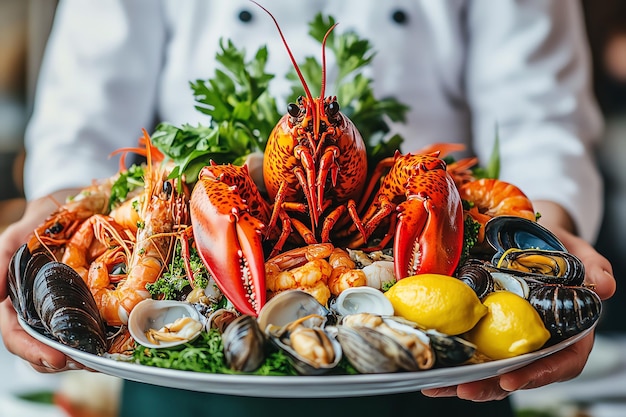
492 170
127 181
172 283
206 354
470 236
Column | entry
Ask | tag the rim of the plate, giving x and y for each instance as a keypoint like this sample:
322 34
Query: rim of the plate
491 368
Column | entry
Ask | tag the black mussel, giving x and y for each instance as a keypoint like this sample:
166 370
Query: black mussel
244 344
474 274
506 232
450 350
553 267
566 310
23 269
67 308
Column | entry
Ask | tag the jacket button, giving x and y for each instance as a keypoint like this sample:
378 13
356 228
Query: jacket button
399 16
245 16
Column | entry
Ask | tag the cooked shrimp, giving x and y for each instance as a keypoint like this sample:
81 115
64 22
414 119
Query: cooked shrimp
61 225
344 275
94 236
162 211
492 197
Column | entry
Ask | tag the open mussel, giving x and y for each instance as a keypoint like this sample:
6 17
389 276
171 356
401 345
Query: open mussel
553 267
52 297
506 232
566 310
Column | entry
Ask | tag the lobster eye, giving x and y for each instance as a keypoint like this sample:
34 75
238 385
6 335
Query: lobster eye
333 108
293 109
167 188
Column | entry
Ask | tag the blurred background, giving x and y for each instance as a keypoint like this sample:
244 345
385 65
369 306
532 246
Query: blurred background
599 391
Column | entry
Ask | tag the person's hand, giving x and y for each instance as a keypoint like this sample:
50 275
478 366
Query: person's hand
563 365
17 341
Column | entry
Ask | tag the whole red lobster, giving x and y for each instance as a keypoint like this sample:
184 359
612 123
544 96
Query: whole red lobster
315 170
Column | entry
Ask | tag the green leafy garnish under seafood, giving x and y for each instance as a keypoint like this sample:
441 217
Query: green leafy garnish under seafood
206 354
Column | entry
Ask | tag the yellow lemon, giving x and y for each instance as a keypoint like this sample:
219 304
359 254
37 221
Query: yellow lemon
438 302
510 328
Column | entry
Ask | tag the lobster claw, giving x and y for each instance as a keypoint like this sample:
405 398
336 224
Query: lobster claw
229 242
429 233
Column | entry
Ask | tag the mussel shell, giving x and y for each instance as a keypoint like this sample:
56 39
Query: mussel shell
67 309
566 310
506 232
479 279
553 267
23 269
18 292
450 350
244 344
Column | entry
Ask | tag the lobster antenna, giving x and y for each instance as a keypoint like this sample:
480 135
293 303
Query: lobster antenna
293 61
323 88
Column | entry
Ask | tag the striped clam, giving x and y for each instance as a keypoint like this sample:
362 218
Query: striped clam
378 344
531 261
52 298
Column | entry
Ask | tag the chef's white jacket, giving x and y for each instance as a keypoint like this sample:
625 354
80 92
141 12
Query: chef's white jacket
113 67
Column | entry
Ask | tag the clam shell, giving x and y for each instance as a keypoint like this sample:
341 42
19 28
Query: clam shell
376 344
155 314
362 300
289 306
311 348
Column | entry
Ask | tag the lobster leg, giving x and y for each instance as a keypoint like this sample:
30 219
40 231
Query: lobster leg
229 237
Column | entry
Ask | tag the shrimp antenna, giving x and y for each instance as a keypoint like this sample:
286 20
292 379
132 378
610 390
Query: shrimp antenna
293 60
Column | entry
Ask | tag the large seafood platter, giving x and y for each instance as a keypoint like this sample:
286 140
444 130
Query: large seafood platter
301 253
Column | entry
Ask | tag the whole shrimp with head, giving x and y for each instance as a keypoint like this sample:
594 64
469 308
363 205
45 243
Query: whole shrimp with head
162 210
